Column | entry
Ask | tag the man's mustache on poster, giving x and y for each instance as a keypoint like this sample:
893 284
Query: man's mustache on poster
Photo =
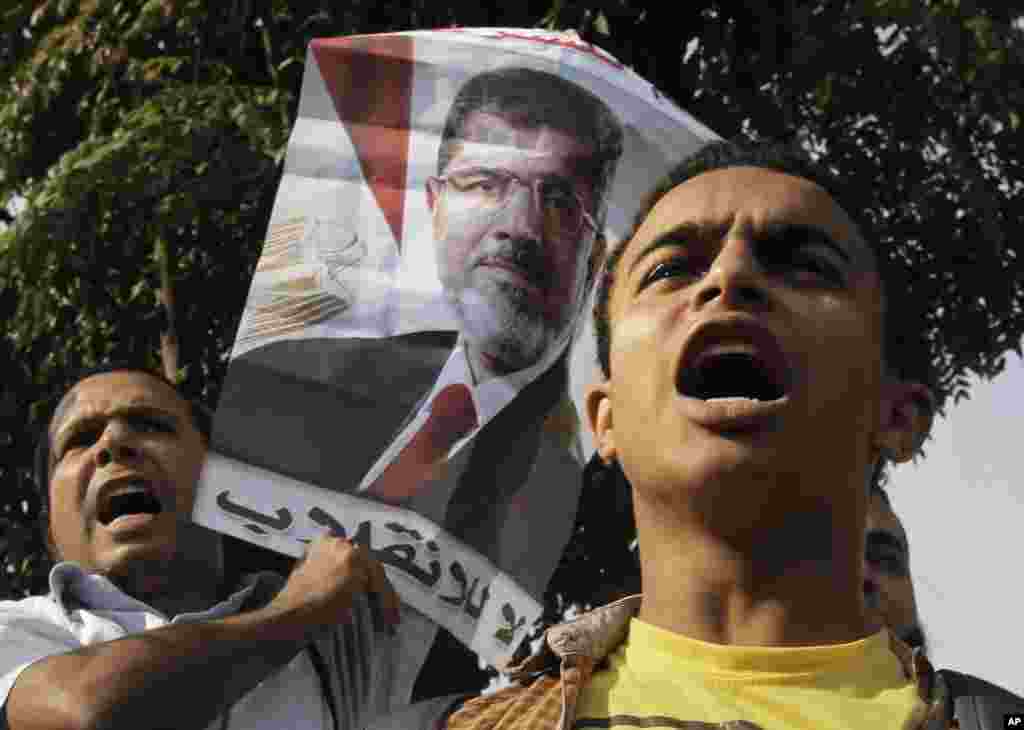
523 256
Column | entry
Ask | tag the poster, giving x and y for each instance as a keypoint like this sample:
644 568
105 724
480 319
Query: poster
401 370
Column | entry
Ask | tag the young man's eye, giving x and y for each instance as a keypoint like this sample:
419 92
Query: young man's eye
890 563
151 425
82 438
894 566
677 267
818 264
803 253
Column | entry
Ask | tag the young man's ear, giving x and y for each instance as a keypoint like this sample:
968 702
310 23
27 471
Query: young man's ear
599 417
908 409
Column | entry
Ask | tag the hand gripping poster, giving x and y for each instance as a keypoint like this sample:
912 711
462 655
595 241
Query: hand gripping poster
401 371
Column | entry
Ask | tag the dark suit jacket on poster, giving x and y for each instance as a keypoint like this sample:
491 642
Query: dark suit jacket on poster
323 411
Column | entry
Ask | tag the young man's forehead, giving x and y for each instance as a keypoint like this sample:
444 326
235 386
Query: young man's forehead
716 197
712 201
119 389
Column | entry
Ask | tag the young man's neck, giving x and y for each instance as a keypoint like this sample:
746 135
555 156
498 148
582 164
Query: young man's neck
795 584
170 590
190 581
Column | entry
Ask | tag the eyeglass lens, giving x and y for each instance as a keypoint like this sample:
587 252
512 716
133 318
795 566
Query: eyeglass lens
492 190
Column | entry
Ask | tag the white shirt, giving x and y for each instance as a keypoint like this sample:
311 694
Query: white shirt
488 398
84 608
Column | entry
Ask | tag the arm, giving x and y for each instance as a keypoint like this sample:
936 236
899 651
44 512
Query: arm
183 675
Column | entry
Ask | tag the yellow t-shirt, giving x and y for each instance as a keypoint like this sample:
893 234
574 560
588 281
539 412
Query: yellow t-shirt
659 680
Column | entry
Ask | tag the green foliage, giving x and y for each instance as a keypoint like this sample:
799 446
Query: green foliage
122 143
916 103
132 130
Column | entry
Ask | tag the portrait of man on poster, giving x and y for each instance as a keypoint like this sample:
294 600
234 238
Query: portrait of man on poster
517 203
515 209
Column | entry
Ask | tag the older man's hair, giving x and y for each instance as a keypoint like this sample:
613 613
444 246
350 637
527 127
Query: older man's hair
528 98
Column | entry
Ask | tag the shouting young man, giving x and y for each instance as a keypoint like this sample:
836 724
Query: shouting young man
754 375
141 628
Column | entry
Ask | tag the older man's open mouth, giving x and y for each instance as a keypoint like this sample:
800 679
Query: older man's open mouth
128 503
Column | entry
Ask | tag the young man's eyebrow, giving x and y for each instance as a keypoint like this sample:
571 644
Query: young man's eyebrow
69 428
143 409
669 238
61 413
810 233
128 410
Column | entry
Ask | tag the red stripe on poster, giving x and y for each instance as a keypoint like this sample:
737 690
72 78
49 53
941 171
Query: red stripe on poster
369 79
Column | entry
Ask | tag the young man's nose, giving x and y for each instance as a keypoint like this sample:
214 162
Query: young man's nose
117 443
735 279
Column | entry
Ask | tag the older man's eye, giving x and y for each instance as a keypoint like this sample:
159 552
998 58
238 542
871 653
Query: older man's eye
480 181
484 184
558 194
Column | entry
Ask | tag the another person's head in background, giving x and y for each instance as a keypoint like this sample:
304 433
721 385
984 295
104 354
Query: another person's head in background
888 586
117 469
525 162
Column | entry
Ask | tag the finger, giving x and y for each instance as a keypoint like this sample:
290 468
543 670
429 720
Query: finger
326 538
337 543
384 593
360 564
356 574
362 580
380 623
306 550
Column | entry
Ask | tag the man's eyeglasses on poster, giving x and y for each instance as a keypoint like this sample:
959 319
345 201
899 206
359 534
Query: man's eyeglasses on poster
491 189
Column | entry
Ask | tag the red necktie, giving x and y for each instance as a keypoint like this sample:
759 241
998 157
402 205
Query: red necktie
452 416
